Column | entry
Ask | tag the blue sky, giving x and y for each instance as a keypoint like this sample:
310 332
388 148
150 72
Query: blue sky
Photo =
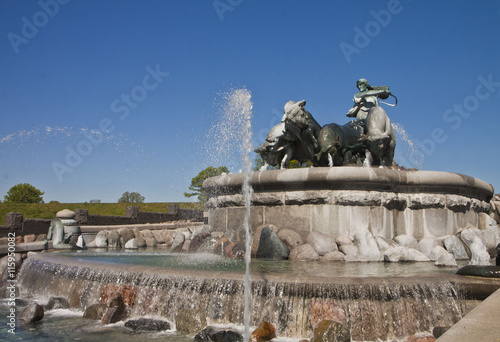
102 97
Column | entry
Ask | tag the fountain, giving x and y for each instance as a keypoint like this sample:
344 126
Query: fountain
374 301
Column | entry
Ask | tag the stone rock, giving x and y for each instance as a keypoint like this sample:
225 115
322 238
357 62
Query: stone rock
480 256
438 331
350 250
343 240
32 314
29 238
139 237
210 333
264 332
456 247
367 246
41 237
326 309
291 238
406 241
57 303
66 214
177 242
322 243
126 234
384 243
151 242
113 239
100 241
415 255
132 244
467 236
116 311
333 256
197 241
168 236
491 235
400 253
220 246
271 247
147 324
158 235
436 252
95 311
185 246
304 252
331 331
446 259
256 236
190 321
427 244
80 242
235 250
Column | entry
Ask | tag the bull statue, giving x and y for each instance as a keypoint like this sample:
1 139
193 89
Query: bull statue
300 137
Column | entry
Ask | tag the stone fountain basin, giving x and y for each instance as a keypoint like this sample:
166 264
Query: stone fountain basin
294 304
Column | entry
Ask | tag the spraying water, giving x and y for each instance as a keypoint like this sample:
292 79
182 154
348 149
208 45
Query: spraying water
406 148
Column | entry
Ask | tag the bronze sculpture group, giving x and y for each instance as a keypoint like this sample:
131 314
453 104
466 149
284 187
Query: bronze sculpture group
300 137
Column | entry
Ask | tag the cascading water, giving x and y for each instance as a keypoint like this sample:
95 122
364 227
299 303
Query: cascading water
406 148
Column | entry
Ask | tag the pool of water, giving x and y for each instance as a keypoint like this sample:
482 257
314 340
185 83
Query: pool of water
211 262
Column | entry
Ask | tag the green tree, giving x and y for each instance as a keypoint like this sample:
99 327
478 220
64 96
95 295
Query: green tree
197 182
24 193
131 197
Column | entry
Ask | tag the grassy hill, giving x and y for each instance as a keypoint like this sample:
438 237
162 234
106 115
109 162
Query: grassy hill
49 210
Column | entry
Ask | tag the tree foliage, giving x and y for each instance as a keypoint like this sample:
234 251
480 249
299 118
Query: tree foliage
24 193
197 182
131 197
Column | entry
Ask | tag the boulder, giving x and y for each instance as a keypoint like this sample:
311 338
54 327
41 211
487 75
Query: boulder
235 250
185 246
220 246
29 238
384 243
406 241
304 252
256 236
480 256
132 244
139 237
168 236
147 324
456 247
57 303
197 241
343 240
210 333
113 239
427 244
264 332
271 247
350 250
331 331
32 314
400 253
177 242
158 235
126 234
367 246
190 321
446 259
322 243
116 311
333 256
66 214
436 252
95 311
291 238
100 241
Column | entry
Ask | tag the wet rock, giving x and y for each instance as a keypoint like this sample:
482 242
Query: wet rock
116 311
271 247
326 309
406 241
218 335
190 321
436 252
446 259
304 252
126 234
480 255
456 247
139 237
256 236
32 314
57 303
400 253
80 243
158 235
113 239
95 311
350 250
438 331
291 238
185 246
333 256
147 324
168 236
235 250
100 241
322 243
331 331
427 244
177 242
264 332
197 241
132 244
343 240
220 246
151 242
367 246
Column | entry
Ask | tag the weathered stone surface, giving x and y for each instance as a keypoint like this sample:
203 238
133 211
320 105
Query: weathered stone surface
113 239
116 311
168 236
367 246
29 238
185 246
304 252
333 256
480 255
139 237
14 221
332 332
264 332
307 197
427 244
436 252
343 240
423 201
455 246
419 338
158 235
350 250
467 236
322 243
326 309
400 253
95 311
406 241
446 259
235 250
57 303
177 242
218 334
41 237
32 314
100 241
126 234
132 244
65 214
271 247
197 241
190 321
384 243
438 331
256 236
291 238
458 203
151 242
357 198
220 246
147 324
